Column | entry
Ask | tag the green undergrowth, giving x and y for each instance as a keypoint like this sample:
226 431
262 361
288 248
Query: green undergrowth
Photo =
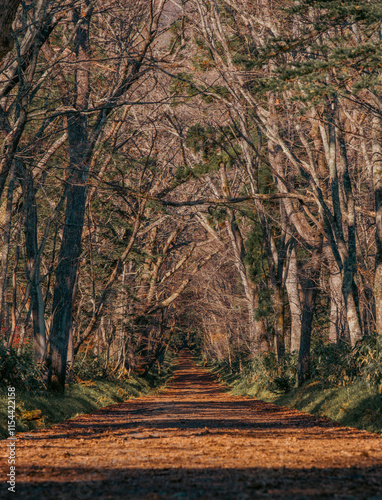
354 405
38 409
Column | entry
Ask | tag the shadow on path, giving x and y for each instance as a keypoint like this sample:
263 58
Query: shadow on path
196 441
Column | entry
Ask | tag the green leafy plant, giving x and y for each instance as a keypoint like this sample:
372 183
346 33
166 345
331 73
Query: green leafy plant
20 371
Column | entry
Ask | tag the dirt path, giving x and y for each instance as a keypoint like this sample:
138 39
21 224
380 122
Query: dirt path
194 441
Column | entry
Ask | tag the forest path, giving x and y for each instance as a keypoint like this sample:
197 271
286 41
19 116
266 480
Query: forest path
195 441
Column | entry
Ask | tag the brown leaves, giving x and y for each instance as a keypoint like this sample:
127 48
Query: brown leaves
181 441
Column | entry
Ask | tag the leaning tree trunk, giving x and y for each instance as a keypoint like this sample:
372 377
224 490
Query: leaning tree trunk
33 264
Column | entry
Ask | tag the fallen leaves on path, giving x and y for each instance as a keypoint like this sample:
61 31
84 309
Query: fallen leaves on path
195 441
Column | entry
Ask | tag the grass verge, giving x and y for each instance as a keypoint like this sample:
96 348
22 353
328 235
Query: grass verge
38 410
354 405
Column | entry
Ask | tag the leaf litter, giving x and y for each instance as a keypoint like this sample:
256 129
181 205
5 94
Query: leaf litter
194 440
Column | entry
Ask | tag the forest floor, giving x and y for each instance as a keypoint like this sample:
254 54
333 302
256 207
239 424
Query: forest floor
195 441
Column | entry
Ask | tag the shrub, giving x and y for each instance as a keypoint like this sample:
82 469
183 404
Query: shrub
332 364
368 359
21 371
265 371
89 366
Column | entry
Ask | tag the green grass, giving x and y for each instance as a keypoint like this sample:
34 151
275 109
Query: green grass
79 398
354 405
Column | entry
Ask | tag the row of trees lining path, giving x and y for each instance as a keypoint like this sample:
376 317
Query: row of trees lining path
167 164
194 441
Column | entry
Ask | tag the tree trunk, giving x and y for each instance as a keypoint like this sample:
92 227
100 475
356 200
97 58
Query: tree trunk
33 265
338 329
261 337
377 184
70 252
349 286
291 285
310 288
14 299
70 360
6 238
278 301
239 253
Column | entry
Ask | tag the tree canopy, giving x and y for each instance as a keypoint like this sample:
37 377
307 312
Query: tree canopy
197 172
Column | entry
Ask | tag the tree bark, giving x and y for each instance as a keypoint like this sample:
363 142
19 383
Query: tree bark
310 286
278 300
338 328
349 286
6 239
33 265
291 285
70 251
377 184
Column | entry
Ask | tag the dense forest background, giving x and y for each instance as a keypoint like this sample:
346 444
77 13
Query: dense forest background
191 173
